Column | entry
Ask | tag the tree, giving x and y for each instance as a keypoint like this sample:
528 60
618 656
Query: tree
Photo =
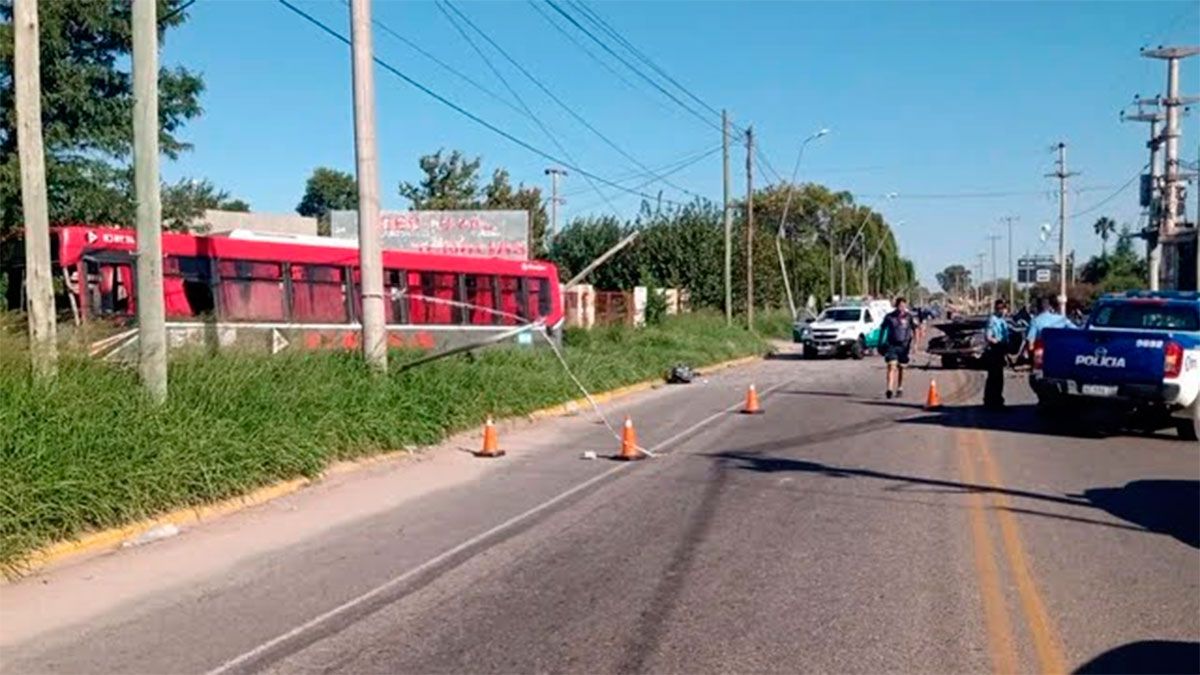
327 190
954 279
185 201
500 194
1124 270
1104 227
450 182
87 109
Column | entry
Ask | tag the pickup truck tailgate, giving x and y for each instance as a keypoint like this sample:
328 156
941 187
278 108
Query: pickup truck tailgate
1113 357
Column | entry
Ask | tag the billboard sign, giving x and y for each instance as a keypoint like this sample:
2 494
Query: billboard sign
482 234
1041 269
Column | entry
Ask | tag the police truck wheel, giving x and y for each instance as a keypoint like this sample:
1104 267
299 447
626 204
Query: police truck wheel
1188 430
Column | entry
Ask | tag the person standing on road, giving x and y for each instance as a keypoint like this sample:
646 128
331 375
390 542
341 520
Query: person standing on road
995 357
895 341
1049 316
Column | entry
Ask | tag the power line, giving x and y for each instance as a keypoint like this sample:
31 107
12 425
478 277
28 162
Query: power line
521 101
575 41
665 170
607 27
463 111
1112 196
546 90
986 195
677 169
631 67
445 66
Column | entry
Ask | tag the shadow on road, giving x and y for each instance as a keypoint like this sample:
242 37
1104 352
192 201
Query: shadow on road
1158 506
1170 507
1147 656
1025 419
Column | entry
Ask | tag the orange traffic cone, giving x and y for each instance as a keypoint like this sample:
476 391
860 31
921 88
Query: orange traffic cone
752 407
932 400
629 446
491 444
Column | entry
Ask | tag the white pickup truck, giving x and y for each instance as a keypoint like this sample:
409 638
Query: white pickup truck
841 330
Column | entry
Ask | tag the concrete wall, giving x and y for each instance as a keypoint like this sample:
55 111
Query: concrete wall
216 222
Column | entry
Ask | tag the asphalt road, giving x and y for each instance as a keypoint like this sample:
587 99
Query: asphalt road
838 532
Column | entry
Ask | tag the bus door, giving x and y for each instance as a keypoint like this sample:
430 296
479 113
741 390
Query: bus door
109 284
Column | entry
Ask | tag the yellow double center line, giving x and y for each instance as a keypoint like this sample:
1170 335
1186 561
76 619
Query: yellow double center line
974 453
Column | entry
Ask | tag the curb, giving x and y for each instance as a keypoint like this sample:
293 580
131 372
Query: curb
96 542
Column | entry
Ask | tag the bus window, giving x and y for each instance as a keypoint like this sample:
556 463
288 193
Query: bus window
481 299
110 288
318 294
251 291
446 289
187 284
395 284
510 301
533 294
544 300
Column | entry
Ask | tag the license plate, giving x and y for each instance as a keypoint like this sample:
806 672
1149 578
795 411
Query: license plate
1098 390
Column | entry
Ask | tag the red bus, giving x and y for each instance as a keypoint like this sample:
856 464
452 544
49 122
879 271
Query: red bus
274 290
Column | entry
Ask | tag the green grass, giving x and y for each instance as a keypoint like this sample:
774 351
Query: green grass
87 451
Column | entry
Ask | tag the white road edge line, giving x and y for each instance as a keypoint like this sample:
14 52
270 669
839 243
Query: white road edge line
237 662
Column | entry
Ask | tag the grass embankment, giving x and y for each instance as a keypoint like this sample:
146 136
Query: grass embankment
87 452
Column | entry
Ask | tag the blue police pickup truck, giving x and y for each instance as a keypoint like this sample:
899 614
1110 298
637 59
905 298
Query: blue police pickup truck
1139 352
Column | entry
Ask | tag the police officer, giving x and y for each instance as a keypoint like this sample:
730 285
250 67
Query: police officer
995 356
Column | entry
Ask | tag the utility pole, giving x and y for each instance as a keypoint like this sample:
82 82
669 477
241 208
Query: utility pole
979 286
1012 293
728 190
1062 175
1172 183
1173 180
151 312
750 228
992 238
554 172
39 286
1151 194
370 256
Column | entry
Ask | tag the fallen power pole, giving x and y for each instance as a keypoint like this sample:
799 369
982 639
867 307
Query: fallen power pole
39 287
575 280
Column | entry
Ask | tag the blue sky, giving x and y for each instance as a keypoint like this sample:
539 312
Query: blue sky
935 101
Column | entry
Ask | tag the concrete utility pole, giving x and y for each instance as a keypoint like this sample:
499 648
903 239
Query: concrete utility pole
1062 175
979 257
728 193
554 173
151 312
1152 201
750 228
39 287
1012 293
993 238
1172 183
370 256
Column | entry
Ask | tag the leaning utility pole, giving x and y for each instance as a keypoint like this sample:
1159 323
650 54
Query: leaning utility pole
1062 175
370 255
1012 294
151 310
39 287
1149 198
554 172
993 238
728 189
750 228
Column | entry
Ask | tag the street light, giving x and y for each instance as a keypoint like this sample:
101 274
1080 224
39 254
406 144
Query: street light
787 205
